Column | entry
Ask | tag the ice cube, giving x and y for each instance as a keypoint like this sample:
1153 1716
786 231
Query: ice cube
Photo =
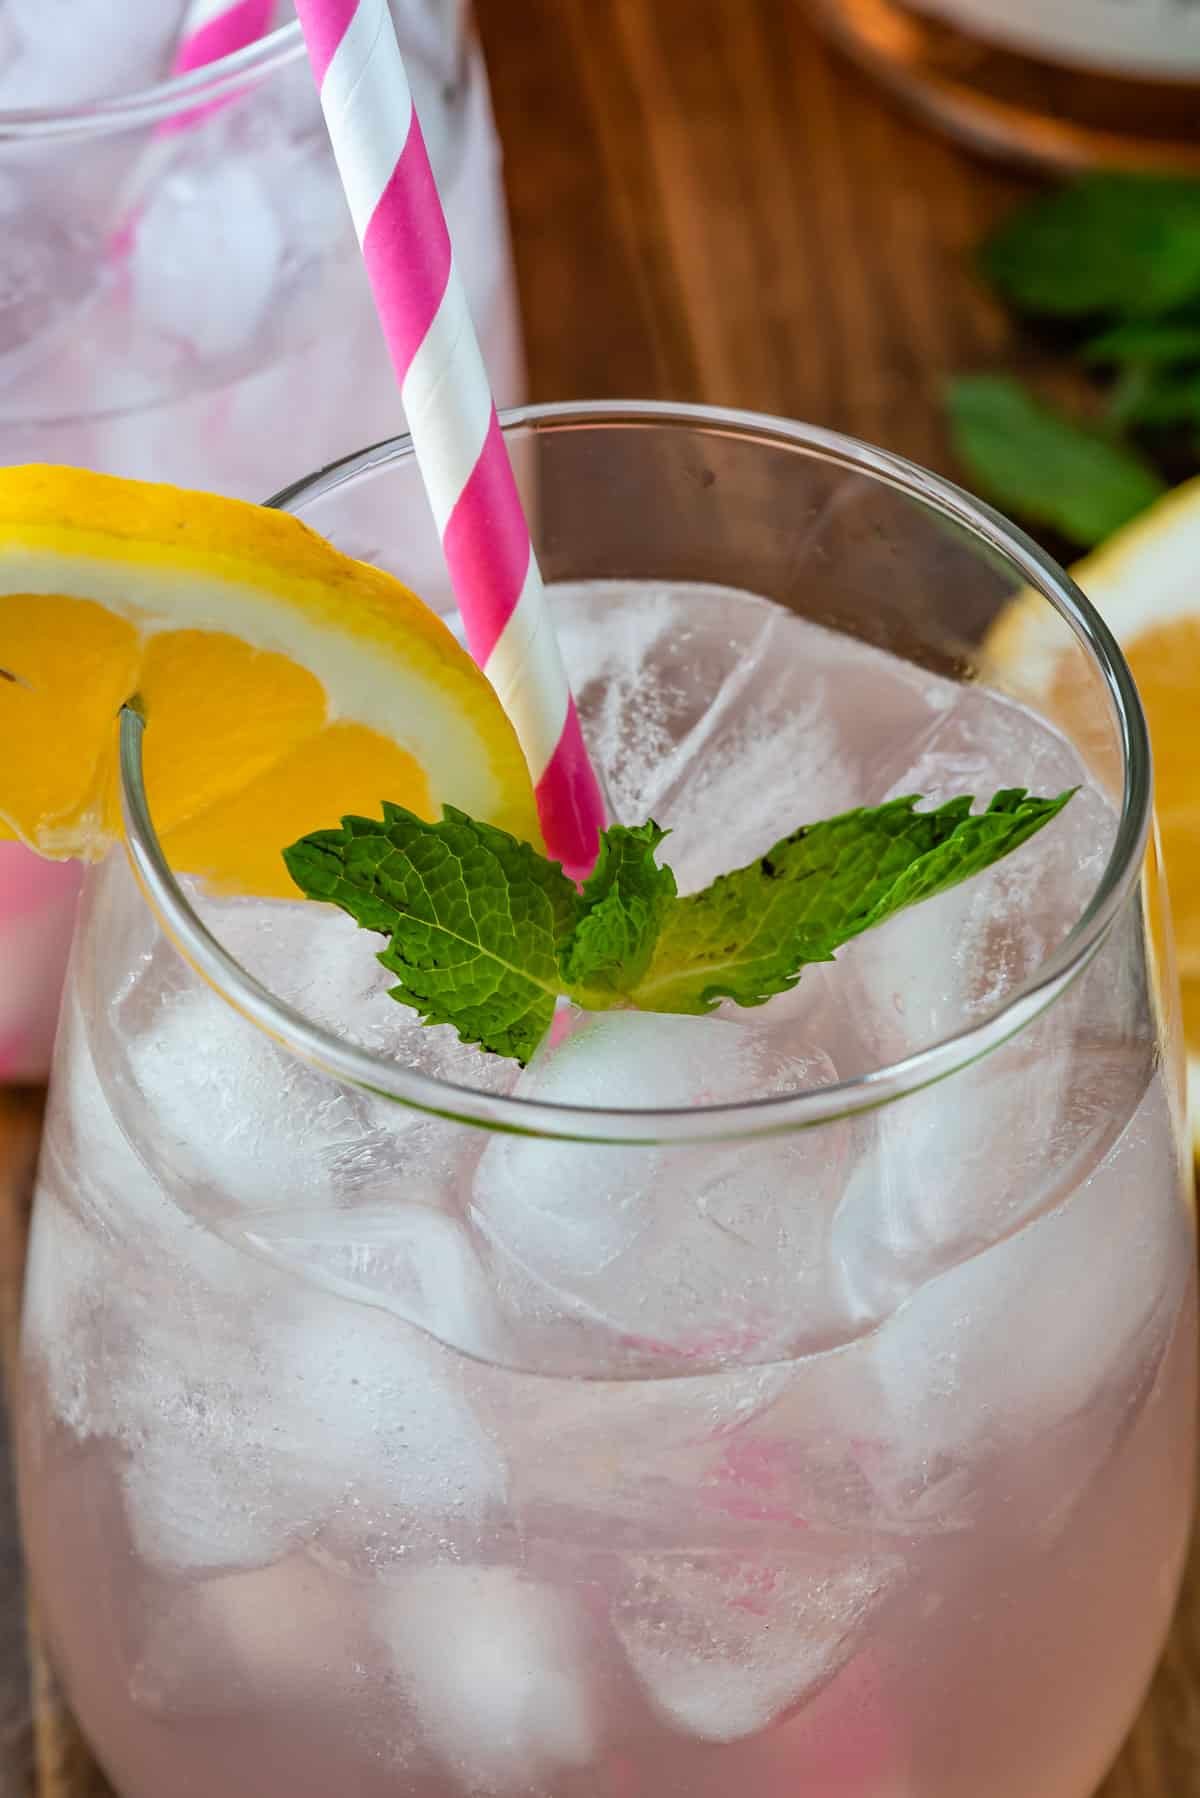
764 772
337 1186
309 198
938 967
394 1420
204 1490
243 1123
230 1120
976 742
95 1155
249 1642
313 1420
408 1258
105 1226
62 1321
73 50
1000 1388
1021 909
592 1458
206 256
725 1646
47 274
312 956
949 1170
496 1666
238 1122
704 1254
251 1411
650 668
323 965
994 1390
786 743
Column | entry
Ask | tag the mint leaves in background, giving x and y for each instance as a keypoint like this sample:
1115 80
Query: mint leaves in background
1114 260
485 934
1111 245
1031 460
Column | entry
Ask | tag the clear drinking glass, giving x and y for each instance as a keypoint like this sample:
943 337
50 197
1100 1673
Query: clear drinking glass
183 300
799 1400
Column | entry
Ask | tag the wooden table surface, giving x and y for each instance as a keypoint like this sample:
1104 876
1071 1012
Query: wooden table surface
706 206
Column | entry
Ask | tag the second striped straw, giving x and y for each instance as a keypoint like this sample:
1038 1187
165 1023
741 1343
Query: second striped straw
457 441
213 29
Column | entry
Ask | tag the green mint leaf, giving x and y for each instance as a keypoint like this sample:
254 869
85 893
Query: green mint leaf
1162 397
1032 461
1126 245
475 917
485 933
1153 341
1127 394
748 936
623 906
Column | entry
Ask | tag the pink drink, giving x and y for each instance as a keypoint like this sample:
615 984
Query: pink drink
192 307
37 910
879 1480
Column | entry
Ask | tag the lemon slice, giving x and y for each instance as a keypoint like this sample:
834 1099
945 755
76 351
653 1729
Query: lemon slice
1146 583
283 683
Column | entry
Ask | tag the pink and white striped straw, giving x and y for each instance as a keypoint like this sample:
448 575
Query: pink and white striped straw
212 29
456 435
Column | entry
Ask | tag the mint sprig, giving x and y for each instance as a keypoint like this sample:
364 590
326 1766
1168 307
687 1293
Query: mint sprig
621 914
485 934
1113 260
749 935
477 919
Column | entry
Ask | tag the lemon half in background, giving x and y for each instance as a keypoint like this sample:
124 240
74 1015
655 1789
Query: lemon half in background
1145 581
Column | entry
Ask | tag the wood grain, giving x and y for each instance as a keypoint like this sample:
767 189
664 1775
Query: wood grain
706 206
20 1117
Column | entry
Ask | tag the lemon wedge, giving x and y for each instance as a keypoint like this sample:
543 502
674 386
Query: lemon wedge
283 684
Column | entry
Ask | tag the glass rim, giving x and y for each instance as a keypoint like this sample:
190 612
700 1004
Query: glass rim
198 89
746 1118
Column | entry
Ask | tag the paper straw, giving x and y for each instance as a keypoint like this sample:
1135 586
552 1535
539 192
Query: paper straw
459 447
212 29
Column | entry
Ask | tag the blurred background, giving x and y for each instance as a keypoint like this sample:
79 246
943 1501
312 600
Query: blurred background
709 203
